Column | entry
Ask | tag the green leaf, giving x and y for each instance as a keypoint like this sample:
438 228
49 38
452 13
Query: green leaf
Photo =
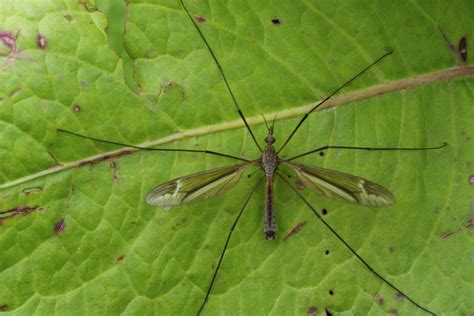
76 236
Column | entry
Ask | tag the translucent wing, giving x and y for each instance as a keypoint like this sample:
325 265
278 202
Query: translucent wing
196 187
342 187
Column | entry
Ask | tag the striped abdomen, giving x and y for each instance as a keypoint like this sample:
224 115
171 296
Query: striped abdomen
269 226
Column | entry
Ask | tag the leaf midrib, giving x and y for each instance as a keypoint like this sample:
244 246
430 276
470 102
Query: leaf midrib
256 120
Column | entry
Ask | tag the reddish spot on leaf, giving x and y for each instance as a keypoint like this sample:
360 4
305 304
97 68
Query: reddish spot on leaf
3 308
296 229
9 40
41 41
312 311
200 19
59 227
16 211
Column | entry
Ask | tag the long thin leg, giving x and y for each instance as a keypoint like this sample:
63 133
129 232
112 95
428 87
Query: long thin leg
365 148
329 97
221 70
226 244
352 250
154 149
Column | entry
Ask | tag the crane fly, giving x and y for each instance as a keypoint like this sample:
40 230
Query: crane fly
210 183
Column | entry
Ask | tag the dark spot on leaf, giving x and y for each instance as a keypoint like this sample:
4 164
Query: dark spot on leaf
200 19
393 312
276 21
133 222
312 311
76 108
327 252
3 308
447 234
59 226
470 223
249 175
120 258
378 298
68 17
462 49
324 211
331 292
296 229
41 41
328 313
17 211
321 153
471 179
180 223
32 190
89 5
391 249
398 296
113 165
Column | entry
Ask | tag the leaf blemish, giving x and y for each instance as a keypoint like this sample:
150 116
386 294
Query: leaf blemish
471 179
312 311
296 229
180 223
59 226
113 165
327 252
32 190
16 211
331 292
468 225
378 298
200 19
462 49
76 108
276 21
324 211
3 308
9 40
398 296
41 41
120 258
393 312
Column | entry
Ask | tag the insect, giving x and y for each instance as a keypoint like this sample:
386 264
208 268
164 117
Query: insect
207 184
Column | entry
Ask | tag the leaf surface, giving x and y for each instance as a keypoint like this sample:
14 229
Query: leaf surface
76 236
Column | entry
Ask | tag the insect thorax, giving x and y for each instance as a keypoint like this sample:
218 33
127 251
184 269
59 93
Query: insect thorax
269 161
